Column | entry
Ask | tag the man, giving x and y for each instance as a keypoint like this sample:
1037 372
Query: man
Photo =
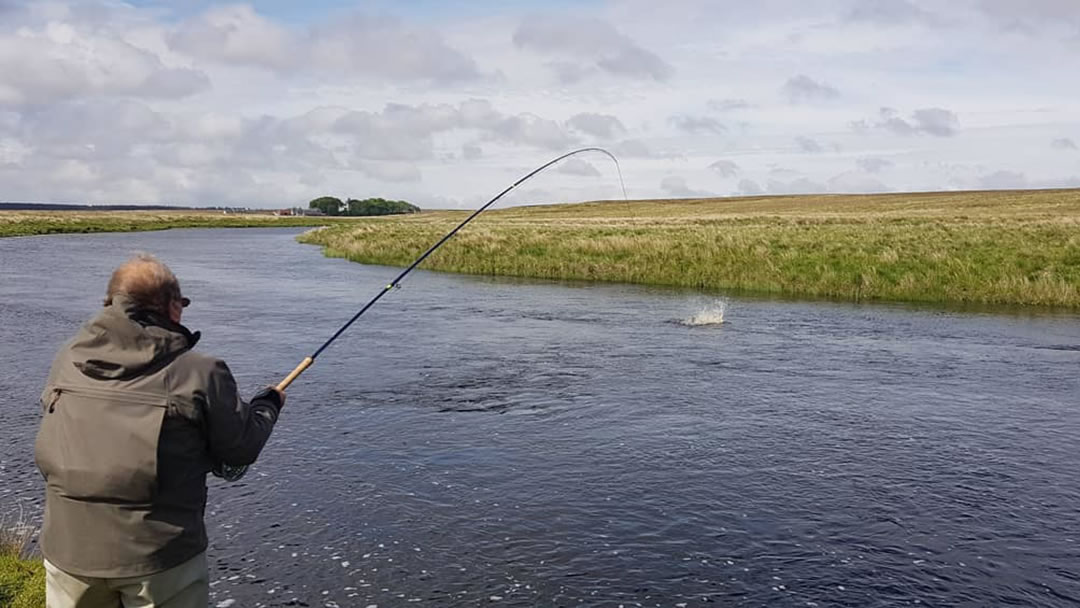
133 420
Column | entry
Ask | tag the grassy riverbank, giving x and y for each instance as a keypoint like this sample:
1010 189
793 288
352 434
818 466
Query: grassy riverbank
1004 247
22 581
28 223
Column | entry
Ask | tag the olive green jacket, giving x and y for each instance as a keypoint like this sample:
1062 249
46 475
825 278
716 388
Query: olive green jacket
132 421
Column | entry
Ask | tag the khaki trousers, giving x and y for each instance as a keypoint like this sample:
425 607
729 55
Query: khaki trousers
183 586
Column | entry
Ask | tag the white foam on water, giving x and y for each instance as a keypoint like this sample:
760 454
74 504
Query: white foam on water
711 314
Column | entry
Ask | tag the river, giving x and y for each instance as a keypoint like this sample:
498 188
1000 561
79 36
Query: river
476 442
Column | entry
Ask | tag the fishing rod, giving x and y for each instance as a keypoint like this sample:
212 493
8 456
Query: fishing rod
230 472
308 361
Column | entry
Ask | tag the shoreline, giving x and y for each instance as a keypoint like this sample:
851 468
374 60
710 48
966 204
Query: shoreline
1001 249
997 249
41 223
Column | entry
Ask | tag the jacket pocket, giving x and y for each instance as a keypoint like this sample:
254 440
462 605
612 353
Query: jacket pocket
101 445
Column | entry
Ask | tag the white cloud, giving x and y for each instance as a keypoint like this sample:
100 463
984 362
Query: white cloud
803 89
891 12
854 182
999 180
748 187
801 185
578 166
725 168
357 45
697 124
926 121
589 42
676 187
602 126
728 105
471 152
808 145
1063 143
63 61
874 165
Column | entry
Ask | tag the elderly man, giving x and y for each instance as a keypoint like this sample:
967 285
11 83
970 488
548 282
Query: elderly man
132 421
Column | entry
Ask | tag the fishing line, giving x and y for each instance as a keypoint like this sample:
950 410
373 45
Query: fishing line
232 473
306 363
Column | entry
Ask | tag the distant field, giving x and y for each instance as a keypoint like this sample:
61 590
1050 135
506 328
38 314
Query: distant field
1002 247
27 223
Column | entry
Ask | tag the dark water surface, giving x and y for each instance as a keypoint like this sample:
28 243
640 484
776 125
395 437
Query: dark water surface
474 442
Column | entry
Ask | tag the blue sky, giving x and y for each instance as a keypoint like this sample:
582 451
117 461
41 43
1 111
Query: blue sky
444 103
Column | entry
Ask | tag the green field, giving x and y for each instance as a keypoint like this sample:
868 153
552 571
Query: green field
1000 247
29 223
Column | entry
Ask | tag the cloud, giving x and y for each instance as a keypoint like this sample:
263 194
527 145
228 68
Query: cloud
64 61
675 187
926 121
873 165
728 105
808 145
1063 143
726 168
1028 16
236 34
633 148
801 185
404 132
570 73
697 124
1004 180
124 148
803 89
595 42
748 187
357 45
578 166
471 152
891 12
602 126
856 183
390 171
532 130
935 121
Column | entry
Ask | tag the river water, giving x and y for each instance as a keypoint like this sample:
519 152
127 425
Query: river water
475 442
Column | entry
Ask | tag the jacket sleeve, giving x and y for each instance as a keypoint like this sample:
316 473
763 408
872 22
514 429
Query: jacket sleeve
237 430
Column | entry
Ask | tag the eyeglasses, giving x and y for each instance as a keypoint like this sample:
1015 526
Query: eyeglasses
185 302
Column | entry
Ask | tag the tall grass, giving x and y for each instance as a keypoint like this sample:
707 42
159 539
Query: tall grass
22 578
972 247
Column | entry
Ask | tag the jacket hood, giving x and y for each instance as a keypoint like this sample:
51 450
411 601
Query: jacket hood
124 341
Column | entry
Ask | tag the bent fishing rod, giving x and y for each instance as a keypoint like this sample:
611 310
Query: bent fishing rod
308 361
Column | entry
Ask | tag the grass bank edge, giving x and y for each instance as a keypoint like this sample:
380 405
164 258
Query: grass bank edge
1013 248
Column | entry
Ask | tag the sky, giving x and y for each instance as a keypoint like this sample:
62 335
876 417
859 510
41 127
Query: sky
444 104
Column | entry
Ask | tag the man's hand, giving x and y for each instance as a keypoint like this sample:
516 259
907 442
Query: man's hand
271 393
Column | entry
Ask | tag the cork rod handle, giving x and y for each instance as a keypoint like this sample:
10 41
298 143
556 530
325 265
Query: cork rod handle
294 374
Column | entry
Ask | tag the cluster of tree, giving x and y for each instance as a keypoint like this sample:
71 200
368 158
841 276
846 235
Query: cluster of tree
369 206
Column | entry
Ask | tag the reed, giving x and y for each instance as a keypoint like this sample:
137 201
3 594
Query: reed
1001 247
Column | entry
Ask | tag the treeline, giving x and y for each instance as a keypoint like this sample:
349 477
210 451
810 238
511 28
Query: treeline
369 206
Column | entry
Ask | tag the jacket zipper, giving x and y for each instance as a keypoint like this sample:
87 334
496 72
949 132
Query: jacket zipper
134 397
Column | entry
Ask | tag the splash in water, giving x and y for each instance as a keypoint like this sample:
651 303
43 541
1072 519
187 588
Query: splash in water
712 314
